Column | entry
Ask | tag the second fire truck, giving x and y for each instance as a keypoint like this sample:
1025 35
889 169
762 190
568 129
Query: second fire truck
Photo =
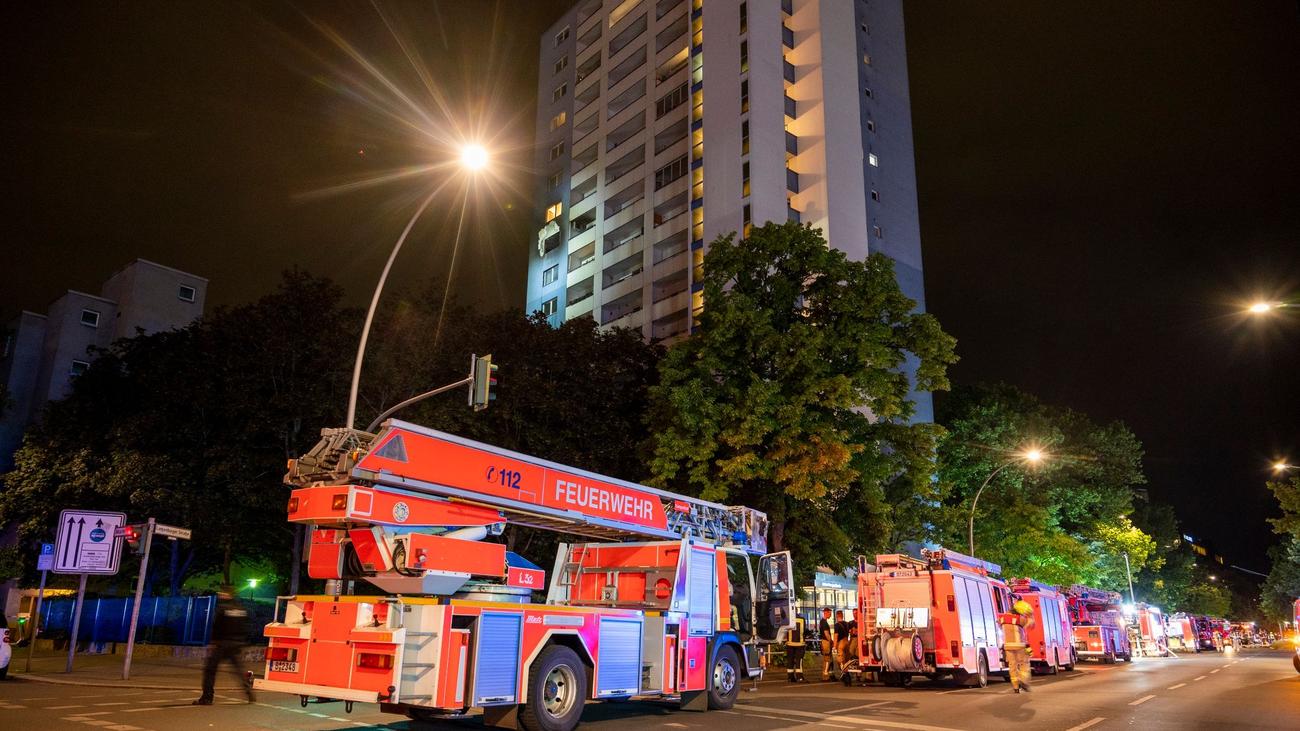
1099 627
667 604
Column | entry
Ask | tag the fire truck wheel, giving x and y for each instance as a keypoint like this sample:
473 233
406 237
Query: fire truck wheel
982 675
1074 660
1054 666
724 683
557 686
1108 658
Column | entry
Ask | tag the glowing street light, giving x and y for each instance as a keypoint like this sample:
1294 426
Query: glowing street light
1260 308
1031 456
1281 466
473 158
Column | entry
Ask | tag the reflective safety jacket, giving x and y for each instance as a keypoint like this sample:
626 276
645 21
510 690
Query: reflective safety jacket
1015 628
794 637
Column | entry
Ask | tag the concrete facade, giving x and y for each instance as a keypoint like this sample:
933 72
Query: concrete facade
649 147
43 354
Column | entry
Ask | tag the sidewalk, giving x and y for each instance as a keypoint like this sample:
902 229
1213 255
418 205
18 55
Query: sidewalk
105 670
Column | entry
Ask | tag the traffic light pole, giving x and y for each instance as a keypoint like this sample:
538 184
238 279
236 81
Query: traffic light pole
139 591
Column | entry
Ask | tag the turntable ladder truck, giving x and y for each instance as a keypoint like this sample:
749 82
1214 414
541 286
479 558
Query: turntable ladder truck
663 601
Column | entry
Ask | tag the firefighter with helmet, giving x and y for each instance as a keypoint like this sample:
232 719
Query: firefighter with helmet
795 646
1015 635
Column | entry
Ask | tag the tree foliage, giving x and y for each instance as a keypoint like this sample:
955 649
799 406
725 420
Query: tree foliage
791 395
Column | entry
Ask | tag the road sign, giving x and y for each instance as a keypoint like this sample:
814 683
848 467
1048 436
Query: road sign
171 531
86 542
45 561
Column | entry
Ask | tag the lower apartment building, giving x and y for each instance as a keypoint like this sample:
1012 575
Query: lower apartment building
663 124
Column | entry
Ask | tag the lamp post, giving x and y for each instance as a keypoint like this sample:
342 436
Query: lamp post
1281 467
1032 456
473 158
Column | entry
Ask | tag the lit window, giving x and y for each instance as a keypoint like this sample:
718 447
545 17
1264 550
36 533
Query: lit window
871 158
561 64
878 231
866 58
744 17
558 150
744 95
553 211
559 92
558 120
744 179
551 274
550 306
78 367
185 293
90 318
562 36
744 56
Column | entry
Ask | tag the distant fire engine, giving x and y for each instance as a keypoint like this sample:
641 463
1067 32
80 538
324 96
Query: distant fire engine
680 613
1150 629
1051 638
934 616
1099 627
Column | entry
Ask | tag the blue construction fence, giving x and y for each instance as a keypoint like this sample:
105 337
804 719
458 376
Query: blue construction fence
164 620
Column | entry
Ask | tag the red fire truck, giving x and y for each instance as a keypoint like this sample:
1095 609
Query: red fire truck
1099 627
672 607
934 616
1051 638
1150 630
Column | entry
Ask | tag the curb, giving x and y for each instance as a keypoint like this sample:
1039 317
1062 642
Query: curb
110 684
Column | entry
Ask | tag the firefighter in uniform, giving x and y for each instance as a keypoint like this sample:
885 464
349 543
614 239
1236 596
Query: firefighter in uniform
795 645
826 634
229 633
1015 634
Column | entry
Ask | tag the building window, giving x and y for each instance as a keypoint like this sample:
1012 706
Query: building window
744 95
185 293
744 179
878 231
551 306
562 36
561 64
744 137
871 125
866 29
875 195
747 221
8 346
671 100
90 318
744 56
554 180
670 172
551 274
559 92
558 150
744 17
558 120
868 93
866 59
871 158
78 367
554 210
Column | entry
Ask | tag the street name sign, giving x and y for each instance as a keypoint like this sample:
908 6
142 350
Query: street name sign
171 531
87 542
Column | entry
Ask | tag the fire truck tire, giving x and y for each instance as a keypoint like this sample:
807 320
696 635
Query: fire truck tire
1074 660
981 676
1054 666
557 689
1108 658
724 681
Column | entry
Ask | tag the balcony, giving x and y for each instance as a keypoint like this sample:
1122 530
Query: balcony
787 36
790 107
634 61
669 35
626 131
583 159
787 71
580 291
625 269
625 164
588 38
623 235
672 284
625 99
626 35
582 257
620 308
792 215
674 324
548 238
670 135
791 145
624 199
671 208
588 11
587 69
670 247
585 97
664 7
672 66
791 180
581 222
580 192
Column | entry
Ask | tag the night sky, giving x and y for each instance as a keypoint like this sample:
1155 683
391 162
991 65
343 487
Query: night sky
1102 186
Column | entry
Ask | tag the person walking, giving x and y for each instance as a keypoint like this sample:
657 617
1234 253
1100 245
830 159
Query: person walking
826 634
1015 640
795 646
229 633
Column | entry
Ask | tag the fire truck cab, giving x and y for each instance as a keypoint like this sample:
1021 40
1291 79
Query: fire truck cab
1051 638
409 509
934 616
1100 630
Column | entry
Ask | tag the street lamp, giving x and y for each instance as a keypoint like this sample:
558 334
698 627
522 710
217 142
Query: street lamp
1031 456
473 158
1281 466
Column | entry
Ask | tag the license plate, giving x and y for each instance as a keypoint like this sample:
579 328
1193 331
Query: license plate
283 666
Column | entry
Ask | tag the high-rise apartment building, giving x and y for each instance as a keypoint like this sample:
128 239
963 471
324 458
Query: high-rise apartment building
663 124
40 355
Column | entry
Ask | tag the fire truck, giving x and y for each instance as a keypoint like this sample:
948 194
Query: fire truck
1182 632
1051 638
666 605
934 616
1099 627
1150 629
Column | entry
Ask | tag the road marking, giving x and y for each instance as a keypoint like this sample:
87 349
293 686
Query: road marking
858 708
60 708
847 719
1142 700
1200 678
1086 724
1212 672
319 715
122 727
117 703
1175 687
146 708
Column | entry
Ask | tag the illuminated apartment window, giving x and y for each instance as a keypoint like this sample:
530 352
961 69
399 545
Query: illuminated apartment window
871 158
559 92
744 179
558 120
550 306
866 58
558 150
744 17
553 211
550 274
747 220
562 36
90 318
561 64
744 56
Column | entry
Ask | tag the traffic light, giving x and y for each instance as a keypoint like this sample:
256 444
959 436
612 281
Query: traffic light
134 535
482 379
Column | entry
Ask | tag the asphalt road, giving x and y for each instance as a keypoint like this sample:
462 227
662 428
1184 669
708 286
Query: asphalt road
1248 690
